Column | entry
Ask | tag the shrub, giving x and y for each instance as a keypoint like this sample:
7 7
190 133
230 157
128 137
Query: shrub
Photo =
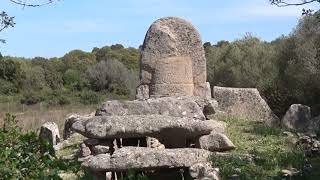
7 87
57 97
89 97
112 75
24 156
31 97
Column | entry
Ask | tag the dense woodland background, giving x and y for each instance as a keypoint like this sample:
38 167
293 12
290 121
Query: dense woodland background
285 71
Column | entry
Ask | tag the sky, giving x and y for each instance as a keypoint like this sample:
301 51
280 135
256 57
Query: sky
55 29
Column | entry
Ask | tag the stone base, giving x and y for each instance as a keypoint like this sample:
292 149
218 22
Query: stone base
162 90
202 90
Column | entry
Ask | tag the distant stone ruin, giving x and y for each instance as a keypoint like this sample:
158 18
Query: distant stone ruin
173 61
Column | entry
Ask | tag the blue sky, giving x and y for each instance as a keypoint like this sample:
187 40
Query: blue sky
55 29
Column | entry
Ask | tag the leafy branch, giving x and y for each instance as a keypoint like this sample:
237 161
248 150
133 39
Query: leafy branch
282 3
25 3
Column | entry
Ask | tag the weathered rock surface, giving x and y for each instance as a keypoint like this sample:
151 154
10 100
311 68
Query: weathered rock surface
297 117
154 143
215 142
171 106
100 149
204 171
217 126
67 132
50 132
142 92
246 103
141 158
173 60
108 127
314 126
84 150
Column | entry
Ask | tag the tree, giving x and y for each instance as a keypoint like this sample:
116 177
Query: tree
284 3
5 22
128 56
112 75
25 3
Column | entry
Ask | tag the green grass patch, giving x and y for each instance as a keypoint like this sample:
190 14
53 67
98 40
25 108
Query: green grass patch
268 145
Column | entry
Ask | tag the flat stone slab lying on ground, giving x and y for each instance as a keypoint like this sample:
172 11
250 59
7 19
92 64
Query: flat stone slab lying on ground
108 127
171 106
142 158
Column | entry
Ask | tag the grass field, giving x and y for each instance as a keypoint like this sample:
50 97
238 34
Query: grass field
32 117
270 148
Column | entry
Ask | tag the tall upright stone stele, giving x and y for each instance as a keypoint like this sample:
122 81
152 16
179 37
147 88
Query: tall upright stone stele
172 61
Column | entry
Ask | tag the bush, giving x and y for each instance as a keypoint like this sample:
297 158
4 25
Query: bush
31 97
7 87
89 97
112 75
57 97
25 156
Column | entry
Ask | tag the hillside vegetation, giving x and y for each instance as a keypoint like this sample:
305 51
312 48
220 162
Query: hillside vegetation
285 71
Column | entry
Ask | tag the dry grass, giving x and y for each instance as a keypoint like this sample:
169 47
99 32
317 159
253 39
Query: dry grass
34 116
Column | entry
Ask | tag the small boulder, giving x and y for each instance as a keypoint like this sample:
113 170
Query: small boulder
204 171
215 142
49 131
84 150
154 143
99 149
297 117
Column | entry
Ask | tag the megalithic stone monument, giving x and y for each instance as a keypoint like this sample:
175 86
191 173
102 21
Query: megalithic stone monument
172 61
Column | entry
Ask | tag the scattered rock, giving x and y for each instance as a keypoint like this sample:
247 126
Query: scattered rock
204 171
297 118
154 143
108 127
245 103
142 158
49 131
171 106
67 175
84 150
215 142
173 61
289 172
67 132
99 149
